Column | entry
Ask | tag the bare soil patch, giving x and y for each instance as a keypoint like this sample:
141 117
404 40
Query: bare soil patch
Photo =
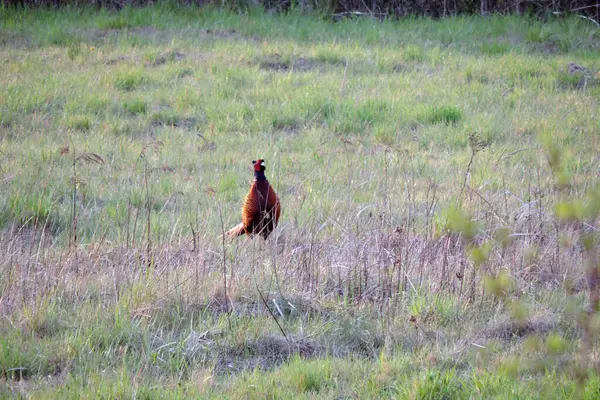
117 60
175 123
167 57
271 65
14 39
401 68
276 63
509 329
265 352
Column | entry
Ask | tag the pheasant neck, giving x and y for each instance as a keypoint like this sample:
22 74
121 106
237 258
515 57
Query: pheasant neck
260 176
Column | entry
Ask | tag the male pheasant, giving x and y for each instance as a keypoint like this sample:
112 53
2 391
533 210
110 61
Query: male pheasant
261 209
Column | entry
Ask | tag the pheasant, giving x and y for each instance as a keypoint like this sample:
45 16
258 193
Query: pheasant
261 208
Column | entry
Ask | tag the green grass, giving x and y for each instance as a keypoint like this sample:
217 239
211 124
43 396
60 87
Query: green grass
438 186
135 107
129 81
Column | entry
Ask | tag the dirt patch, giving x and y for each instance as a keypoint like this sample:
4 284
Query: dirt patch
306 64
290 132
401 68
275 62
161 59
139 30
550 47
14 39
117 60
404 68
98 36
221 33
508 329
145 31
266 352
227 34
274 66
170 56
175 122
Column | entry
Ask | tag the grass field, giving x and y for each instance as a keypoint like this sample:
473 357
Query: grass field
439 184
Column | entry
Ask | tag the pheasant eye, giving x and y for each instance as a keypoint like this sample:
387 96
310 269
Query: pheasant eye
253 162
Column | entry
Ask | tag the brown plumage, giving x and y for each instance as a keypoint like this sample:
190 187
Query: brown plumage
261 209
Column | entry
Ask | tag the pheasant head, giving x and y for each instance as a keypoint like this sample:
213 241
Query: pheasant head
259 169
259 165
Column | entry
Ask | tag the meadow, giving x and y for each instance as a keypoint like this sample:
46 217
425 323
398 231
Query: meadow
439 185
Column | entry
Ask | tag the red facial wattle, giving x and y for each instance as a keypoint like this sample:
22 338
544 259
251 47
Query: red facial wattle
259 165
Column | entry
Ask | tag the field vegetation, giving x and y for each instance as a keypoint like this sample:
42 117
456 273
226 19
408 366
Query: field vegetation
439 185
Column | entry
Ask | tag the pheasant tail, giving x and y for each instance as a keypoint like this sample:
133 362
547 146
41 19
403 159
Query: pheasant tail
237 230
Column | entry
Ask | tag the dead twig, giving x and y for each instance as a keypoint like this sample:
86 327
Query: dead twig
262 298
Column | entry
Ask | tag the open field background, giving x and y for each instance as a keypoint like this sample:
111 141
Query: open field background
438 182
